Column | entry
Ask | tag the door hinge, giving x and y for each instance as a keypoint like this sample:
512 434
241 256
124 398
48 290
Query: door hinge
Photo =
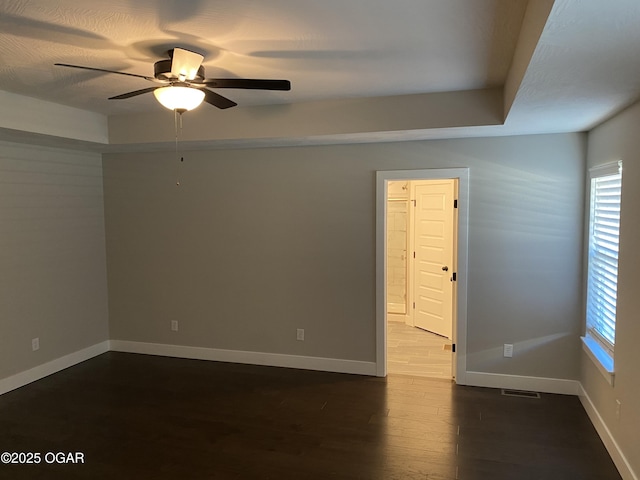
453 348
454 277
414 254
455 204
414 202
414 305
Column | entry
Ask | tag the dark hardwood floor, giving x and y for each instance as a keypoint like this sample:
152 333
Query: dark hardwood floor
146 417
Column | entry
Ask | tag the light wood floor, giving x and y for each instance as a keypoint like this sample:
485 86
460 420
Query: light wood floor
412 351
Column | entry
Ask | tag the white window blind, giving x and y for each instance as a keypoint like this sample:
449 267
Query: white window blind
604 228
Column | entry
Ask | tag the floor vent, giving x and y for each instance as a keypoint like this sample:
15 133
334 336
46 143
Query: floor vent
520 393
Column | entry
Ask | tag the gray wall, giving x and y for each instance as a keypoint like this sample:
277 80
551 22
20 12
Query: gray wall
615 140
257 243
52 255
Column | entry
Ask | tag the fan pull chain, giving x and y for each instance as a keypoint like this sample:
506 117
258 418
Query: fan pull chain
178 114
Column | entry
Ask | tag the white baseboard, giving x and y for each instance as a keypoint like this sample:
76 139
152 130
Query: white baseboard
252 358
518 382
36 373
611 445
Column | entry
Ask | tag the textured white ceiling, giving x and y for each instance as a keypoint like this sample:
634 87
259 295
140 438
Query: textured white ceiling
329 49
581 65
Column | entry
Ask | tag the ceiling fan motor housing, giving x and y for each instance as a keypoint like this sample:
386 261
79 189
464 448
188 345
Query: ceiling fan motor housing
162 71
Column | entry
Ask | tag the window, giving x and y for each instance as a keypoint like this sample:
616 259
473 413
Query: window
602 276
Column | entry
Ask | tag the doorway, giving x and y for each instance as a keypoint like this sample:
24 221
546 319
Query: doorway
421 258
451 274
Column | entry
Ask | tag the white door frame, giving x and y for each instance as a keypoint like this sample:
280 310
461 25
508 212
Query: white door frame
460 321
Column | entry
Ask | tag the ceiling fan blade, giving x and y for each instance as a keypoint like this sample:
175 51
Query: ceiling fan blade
133 94
185 64
248 83
216 100
105 71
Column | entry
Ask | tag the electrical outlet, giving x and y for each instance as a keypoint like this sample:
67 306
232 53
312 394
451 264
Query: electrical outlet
35 344
618 409
300 334
508 350
174 325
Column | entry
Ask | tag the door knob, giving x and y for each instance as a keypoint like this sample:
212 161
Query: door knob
445 269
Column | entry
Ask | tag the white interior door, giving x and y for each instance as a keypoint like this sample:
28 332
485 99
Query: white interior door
433 262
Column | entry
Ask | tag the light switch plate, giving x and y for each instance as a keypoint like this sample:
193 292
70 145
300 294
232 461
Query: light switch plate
508 350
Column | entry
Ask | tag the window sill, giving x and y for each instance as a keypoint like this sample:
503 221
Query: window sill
600 357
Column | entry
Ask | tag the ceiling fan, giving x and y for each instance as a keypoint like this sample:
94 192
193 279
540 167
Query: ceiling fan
182 84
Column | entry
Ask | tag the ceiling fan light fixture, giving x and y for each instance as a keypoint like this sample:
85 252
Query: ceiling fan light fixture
177 97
